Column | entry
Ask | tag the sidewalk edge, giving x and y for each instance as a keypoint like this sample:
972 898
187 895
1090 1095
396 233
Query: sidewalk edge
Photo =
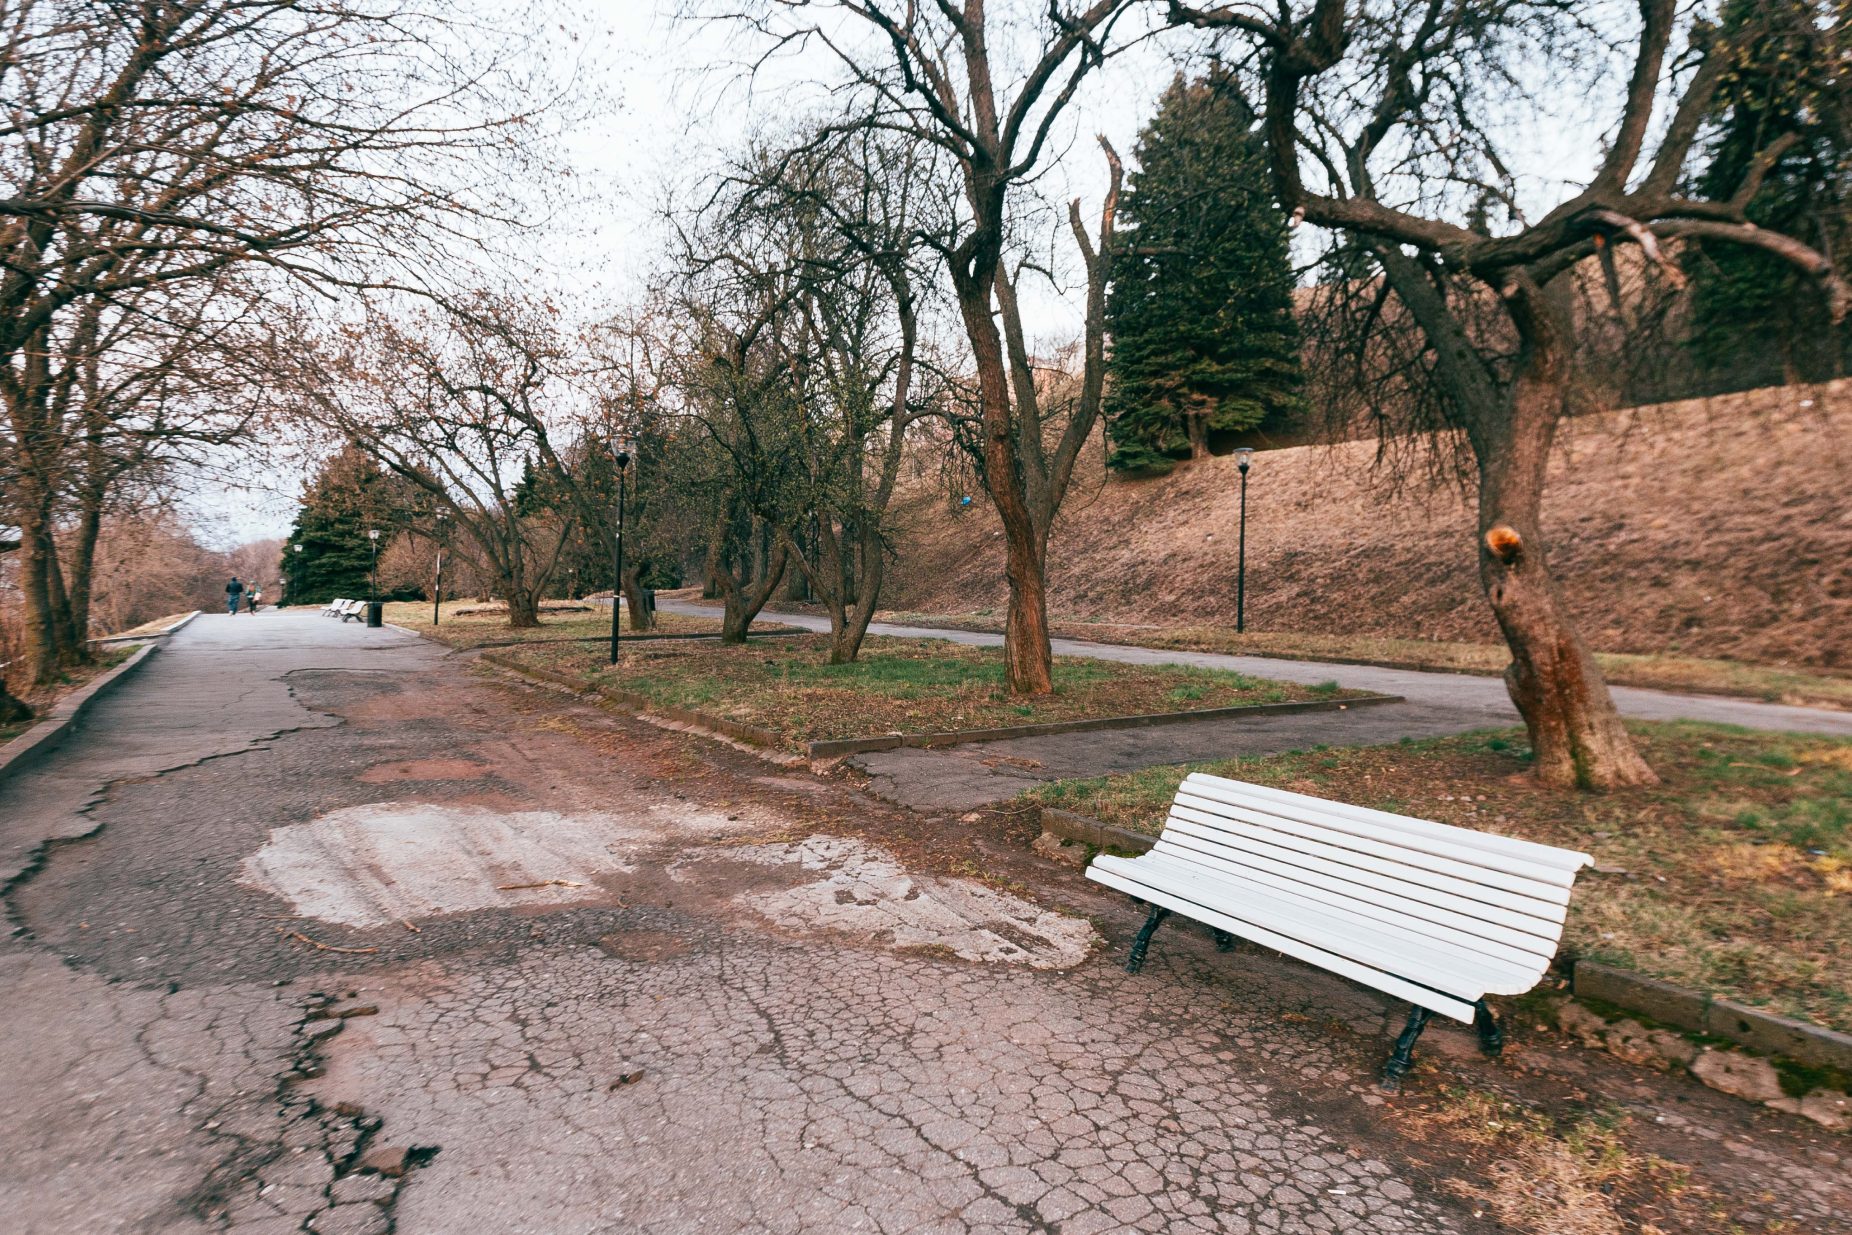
19 754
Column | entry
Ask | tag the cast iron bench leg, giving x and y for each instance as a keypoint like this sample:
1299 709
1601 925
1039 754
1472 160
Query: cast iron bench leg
1404 1056
1224 942
1136 960
1491 1037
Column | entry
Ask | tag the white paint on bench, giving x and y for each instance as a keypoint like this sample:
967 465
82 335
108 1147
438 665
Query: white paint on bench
1438 915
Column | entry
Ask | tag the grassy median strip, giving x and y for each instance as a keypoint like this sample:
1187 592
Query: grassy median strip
1689 674
471 623
897 686
1734 876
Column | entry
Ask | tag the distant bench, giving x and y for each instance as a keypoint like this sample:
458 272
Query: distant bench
1437 915
345 609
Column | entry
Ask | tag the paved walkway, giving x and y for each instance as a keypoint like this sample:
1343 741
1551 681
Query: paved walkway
607 978
963 777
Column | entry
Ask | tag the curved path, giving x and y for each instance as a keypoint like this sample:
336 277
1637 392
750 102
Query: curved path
963 777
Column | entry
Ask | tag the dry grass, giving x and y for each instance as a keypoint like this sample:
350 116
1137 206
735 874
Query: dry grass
1687 674
1670 538
490 625
898 685
1569 1173
1733 876
153 627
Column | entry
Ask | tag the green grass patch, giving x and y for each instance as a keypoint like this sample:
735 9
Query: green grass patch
787 685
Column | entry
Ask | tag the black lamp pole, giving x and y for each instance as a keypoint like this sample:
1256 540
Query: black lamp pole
617 588
437 596
373 539
1243 457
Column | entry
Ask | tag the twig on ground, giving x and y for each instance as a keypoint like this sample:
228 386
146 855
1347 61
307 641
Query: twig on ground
325 947
408 926
544 883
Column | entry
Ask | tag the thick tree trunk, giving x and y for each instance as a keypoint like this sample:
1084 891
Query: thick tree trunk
1027 662
1575 732
523 609
1199 434
633 599
83 562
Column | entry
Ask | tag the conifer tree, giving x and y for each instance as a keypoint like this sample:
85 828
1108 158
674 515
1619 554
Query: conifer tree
349 495
1201 308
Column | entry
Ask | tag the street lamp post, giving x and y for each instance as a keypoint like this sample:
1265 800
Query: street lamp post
290 579
437 595
373 539
1243 458
622 458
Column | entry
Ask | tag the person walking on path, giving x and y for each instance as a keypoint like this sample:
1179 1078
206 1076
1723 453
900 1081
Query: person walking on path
253 598
234 594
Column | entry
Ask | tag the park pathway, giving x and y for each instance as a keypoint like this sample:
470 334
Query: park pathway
1437 704
591 997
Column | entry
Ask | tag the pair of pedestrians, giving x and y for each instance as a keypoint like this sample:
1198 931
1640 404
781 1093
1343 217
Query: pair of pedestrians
236 593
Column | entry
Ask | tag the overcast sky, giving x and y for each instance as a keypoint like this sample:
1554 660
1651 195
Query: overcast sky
673 105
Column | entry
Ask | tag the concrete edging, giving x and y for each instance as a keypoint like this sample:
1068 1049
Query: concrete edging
1070 826
643 703
1764 1032
153 634
891 741
56 724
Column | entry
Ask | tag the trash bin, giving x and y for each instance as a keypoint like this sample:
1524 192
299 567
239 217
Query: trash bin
375 610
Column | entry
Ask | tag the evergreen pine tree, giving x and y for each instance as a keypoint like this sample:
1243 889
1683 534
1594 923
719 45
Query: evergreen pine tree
349 495
1751 310
1201 308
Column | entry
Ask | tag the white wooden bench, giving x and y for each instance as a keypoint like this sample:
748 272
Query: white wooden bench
351 609
333 607
1437 915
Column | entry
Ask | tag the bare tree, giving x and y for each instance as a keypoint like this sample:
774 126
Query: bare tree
150 145
1391 105
989 90
829 230
447 401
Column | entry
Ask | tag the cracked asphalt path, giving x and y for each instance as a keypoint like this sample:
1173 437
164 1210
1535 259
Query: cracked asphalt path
739 1003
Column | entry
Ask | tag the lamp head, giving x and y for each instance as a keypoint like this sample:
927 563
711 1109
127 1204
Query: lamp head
372 533
1243 457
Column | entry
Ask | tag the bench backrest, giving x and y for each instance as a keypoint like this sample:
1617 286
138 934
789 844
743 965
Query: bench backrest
1495 895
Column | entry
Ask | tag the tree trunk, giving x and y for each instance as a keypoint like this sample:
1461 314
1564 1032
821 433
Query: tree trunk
1576 734
83 560
1028 663
743 601
1198 425
633 599
523 609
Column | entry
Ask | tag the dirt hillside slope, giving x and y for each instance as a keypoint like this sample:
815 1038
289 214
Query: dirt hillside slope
1714 527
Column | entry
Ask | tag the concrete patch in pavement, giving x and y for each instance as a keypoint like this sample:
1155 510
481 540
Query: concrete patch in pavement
389 861
866 893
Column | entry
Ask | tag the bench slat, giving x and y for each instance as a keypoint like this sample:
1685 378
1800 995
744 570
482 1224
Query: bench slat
1299 950
1384 846
1531 852
1342 966
1522 913
1465 855
1442 963
1500 940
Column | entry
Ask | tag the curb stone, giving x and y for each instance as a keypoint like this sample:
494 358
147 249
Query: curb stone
56 724
1066 825
891 741
1694 1012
